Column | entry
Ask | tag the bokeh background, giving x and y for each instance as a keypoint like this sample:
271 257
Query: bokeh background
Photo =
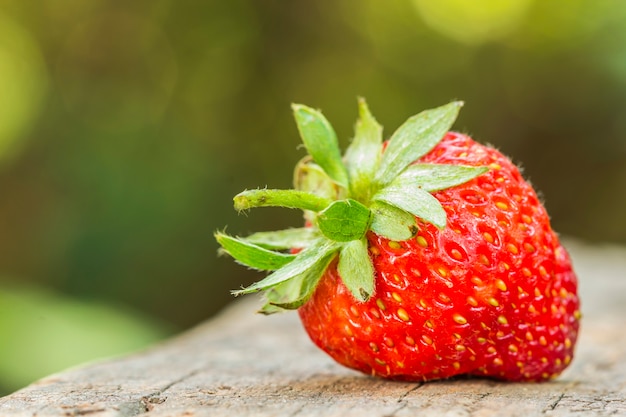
127 127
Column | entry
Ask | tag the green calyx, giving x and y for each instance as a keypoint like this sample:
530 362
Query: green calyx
372 187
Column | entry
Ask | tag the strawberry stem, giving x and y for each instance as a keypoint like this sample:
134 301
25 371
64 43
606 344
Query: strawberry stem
279 198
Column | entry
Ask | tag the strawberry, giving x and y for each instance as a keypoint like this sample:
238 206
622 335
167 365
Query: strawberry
423 257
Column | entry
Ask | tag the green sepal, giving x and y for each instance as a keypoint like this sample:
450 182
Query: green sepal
321 142
304 261
344 220
356 269
252 255
364 153
311 178
414 139
414 200
293 293
279 198
391 222
295 238
268 309
435 177
383 191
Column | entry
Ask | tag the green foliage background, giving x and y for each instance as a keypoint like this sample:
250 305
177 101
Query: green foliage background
127 127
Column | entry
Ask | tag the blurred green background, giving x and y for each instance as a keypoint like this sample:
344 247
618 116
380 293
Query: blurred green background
127 127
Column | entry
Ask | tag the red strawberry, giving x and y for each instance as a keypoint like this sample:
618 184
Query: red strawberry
427 256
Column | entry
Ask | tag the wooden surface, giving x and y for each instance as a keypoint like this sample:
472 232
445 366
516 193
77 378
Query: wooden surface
242 364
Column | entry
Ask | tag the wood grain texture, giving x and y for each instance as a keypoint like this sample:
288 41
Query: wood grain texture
232 366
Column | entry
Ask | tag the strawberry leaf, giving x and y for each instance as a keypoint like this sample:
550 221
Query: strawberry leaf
284 239
416 201
321 141
310 177
435 177
309 258
392 222
279 198
252 255
364 153
344 220
356 269
414 139
384 191
293 293
287 295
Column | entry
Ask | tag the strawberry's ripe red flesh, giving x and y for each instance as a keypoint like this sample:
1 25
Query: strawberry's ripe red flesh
491 294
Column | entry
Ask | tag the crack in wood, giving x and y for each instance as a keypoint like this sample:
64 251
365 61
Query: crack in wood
402 400
150 401
417 386
555 404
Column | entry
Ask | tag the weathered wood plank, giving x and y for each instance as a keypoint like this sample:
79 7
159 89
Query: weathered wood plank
241 364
